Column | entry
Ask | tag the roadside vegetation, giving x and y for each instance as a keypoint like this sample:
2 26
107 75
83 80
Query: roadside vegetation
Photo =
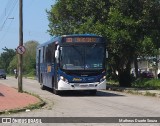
147 83
140 83
131 28
9 59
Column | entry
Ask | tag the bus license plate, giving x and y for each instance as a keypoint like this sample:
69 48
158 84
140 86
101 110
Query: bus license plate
83 85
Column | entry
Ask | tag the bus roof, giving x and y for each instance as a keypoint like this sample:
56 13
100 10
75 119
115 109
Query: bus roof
80 35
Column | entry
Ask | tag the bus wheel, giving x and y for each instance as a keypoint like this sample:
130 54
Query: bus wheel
93 92
42 87
56 92
41 83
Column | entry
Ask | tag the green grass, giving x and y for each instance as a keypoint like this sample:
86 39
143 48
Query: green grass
150 94
139 83
133 92
137 86
147 83
113 83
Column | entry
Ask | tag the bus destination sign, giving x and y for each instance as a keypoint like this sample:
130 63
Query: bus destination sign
82 39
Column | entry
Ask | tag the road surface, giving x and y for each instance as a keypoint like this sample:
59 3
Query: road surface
80 104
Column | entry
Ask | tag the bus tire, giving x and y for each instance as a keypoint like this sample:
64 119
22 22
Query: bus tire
41 83
56 92
43 87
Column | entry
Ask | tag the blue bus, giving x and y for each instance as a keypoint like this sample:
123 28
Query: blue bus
72 62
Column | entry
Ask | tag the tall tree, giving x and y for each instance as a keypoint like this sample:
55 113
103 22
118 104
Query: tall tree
126 25
128 33
29 60
69 17
13 64
6 57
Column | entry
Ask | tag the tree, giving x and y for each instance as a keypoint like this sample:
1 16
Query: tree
125 24
6 57
128 33
29 59
13 64
70 17
152 16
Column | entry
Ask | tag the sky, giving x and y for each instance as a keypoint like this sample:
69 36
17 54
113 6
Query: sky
35 22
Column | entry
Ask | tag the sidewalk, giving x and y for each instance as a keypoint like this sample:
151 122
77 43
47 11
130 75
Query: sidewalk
137 91
11 99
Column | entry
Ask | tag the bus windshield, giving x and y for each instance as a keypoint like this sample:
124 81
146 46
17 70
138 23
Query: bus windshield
82 57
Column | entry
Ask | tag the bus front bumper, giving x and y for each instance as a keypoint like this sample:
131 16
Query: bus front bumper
81 86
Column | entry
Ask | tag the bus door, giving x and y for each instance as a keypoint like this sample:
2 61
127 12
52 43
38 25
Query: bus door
56 63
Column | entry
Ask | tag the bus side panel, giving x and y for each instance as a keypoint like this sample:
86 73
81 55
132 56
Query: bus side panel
38 69
39 64
48 75
55 77
49 65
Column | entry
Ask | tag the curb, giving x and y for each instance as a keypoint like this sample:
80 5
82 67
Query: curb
27 108
135 91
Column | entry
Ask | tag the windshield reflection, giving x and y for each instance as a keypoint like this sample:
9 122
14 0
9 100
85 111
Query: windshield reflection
82 57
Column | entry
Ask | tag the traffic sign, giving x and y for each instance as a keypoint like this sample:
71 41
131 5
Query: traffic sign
21 49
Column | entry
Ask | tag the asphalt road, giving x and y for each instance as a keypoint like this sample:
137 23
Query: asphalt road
81 104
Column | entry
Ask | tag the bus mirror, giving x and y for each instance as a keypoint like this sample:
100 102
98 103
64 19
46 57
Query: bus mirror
106 54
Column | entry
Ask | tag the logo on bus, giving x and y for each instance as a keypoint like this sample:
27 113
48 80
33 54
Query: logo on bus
77 79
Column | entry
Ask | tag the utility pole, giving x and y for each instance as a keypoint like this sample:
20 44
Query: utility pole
20 56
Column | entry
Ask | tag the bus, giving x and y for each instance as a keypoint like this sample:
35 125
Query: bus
72 62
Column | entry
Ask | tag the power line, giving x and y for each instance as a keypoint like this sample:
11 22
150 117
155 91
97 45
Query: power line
9 12
5 10
5 33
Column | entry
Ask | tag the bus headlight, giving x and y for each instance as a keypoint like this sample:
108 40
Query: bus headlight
64 79
103 78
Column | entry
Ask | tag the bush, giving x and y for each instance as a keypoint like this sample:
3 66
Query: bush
32 73
147 83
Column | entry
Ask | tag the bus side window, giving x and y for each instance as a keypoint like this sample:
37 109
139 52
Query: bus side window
43 55
50 53
53 51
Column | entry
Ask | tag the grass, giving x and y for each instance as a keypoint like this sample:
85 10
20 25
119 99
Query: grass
147 83
147 93
112 83
134 92
37 105
30 77
140 83
25 76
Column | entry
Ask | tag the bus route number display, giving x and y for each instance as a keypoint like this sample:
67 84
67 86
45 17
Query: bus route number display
82 39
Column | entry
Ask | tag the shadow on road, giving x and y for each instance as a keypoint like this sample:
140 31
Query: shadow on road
1 94
87 94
